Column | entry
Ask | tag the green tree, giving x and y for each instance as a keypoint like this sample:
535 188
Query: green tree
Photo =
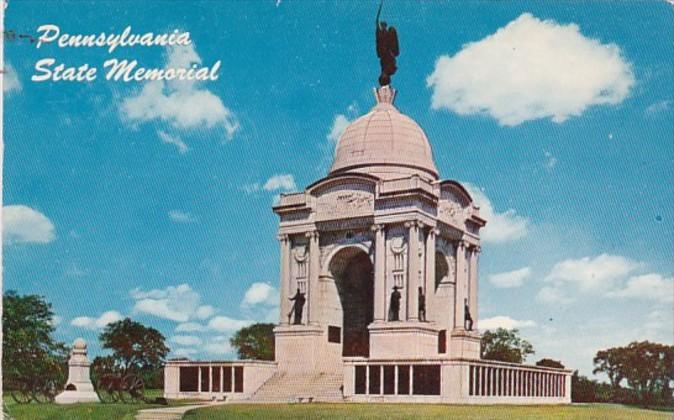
612 363
254 342
135 348
645 366
505 346
29 351
550 363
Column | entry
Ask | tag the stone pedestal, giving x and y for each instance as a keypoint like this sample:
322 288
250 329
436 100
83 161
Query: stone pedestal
464 344
305 348
403 340
78 388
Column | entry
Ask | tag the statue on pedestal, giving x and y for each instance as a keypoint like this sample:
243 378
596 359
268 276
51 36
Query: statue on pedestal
468 320
394 306
387 49
298 307
422 305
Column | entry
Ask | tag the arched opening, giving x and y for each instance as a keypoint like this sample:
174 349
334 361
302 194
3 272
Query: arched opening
441 269
352 272
71 387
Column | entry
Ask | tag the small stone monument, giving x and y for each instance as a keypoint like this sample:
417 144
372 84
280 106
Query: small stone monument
78 387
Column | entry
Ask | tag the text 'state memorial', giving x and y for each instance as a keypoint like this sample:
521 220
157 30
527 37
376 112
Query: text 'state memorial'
378 283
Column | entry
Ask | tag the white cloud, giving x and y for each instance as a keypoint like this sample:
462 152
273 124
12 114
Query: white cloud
501 227
179 216
21 224
180 103
338 126
531 69
96 323
176 303
226 324
185 351
282 182
550 160
591 274
510 279
218 345
552 295
173 140
205 312
186 340
260 294
56 321
658 107
190 327
11 82
505 322
650 286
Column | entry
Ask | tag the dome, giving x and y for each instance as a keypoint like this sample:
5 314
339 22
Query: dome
384 143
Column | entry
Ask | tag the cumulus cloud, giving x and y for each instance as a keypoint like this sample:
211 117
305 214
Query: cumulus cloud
339 124
176 141
282 182
91 323
182 104
186 340
505 322
22 224
218 345
501 227
650 286
591 274
658 107
190 327
276 183
531 69
185 351
176 303
260 294
179 216
510 279
11 82
227 324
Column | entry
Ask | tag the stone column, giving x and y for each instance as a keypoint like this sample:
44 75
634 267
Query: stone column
429 286
313 293
460 292
379 273
413 271
472 302
284 286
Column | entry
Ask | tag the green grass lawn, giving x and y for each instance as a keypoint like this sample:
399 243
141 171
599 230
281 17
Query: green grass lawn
114 411
408 411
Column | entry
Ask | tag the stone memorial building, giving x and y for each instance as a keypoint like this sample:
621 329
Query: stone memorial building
378 288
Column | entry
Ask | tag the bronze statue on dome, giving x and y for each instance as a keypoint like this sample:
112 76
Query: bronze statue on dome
387 49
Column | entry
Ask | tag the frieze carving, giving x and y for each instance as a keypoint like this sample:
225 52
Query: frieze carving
345 203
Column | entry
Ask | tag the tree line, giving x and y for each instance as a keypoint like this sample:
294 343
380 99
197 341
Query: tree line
639 373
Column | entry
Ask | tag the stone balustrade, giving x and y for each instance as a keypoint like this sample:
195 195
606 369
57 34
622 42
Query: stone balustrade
455 381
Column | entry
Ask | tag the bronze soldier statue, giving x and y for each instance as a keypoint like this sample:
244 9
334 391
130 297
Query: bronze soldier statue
298 306
387 49
468 320
394 306
422 305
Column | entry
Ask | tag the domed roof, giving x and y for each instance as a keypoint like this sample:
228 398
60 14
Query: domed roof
384 143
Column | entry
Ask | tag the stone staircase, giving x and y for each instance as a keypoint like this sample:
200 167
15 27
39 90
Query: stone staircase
287 387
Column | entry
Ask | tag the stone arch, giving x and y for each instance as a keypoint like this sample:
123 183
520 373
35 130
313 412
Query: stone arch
350 297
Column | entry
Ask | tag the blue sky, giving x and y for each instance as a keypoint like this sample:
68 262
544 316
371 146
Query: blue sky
165 215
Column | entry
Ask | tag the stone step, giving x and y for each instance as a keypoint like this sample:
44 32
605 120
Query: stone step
295 387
